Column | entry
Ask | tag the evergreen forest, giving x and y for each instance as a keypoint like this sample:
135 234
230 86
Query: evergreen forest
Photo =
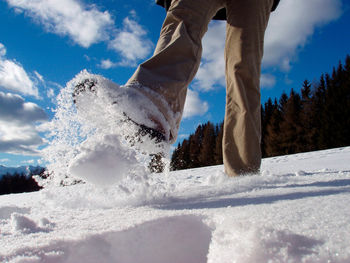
18 183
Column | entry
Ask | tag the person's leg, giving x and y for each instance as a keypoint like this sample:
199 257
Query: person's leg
246 25
164 77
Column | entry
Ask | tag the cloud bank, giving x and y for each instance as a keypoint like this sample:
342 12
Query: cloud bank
85 25
194 106
13 108
14 77
18 134
292 25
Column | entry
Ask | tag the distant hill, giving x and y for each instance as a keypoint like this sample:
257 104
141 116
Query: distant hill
25 170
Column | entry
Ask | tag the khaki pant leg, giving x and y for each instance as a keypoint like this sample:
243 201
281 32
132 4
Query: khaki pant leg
246 25
164 78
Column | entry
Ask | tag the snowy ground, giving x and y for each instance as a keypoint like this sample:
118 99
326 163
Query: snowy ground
297 210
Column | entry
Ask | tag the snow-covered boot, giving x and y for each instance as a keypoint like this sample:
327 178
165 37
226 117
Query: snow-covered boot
133 109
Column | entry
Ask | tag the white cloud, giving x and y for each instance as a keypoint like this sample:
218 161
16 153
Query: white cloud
2 50
13 108
212 69
50 93
87 57
28 161
131 42
290 27
13 77
18 134
19 139
38 76
193 105
267 80
107 64
85 25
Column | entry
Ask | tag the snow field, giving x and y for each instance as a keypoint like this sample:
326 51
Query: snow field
171 239
196 215
296 210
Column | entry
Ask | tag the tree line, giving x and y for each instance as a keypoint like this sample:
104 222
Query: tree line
315 118
18 183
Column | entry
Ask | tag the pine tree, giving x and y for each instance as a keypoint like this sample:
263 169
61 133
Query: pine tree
175 159
291 127
218 144
181 160
346 106
206 155
266 115
195 145
306 117
282 103
318 109
273 132
338 104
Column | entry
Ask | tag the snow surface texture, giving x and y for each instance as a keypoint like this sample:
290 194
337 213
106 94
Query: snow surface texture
88 139
297 210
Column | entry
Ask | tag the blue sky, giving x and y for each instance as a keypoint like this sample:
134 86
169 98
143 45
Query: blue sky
45 43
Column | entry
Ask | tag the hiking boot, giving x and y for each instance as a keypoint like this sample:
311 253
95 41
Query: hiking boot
148 138
157 164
